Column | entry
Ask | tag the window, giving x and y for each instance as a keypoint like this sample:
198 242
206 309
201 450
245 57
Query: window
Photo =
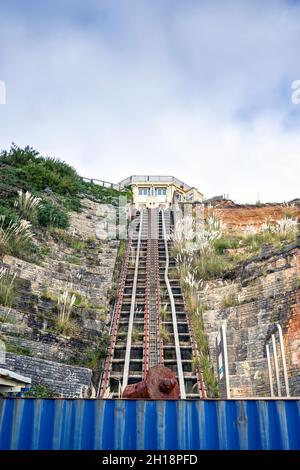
143 191
160 191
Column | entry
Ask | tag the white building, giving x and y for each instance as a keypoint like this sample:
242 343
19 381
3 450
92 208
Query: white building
160 191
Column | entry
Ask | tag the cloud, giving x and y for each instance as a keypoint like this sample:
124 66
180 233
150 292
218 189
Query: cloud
201 90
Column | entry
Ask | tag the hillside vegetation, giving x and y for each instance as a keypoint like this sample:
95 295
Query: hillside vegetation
41 190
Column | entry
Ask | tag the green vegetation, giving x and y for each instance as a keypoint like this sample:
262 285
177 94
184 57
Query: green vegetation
7 288
40 191
16 349
136 335
50 215
71 241
203 360
63 323
39 391
73 259
230 300
163 313
113 292
165 334
92 356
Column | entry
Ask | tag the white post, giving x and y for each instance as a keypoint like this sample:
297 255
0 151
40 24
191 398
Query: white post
270 371
276 366
226 369
286 379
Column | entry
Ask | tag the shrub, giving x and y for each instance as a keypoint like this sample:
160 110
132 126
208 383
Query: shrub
50 215
223 244
9 216
39 391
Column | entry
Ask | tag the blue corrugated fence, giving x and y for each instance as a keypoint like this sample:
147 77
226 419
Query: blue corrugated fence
152 425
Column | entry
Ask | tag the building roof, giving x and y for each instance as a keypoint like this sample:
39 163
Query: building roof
155 179
9 374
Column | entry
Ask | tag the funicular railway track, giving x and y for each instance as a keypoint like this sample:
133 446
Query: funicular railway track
149 325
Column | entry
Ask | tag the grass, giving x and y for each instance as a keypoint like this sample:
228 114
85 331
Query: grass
7 288
64 324
229 300
65 327
212 265
19 350
165 334
203 360
136 335
73 259
93 356
71 241
163 313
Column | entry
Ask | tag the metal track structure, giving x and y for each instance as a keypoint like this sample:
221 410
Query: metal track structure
132 307
173 311
150 325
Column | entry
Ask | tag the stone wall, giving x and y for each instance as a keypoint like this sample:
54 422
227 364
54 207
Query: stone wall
75 261
262 292
62 380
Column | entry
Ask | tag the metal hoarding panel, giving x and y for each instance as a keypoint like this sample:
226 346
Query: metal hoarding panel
151 425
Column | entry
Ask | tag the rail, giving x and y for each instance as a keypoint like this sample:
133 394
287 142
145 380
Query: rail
174 319
153 179
132 307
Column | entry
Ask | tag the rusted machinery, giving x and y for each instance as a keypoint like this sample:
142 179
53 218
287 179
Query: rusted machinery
161 384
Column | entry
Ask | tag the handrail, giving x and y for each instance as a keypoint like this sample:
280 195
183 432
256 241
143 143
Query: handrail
132 308
174 319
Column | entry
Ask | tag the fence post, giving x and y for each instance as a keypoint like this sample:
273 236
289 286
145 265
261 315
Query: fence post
270 370
281 343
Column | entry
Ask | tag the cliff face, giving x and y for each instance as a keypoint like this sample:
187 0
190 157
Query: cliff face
63 363
261 293
237 216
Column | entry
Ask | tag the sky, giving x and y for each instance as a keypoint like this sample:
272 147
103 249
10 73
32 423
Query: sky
198 89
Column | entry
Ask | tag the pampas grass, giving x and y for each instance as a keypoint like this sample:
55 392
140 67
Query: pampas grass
6 287
14 235
65 304
27 204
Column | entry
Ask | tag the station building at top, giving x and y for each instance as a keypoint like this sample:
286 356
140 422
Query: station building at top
153 191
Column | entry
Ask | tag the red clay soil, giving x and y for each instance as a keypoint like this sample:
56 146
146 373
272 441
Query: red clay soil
235 216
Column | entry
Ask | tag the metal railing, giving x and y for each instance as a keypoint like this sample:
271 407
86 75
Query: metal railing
153 179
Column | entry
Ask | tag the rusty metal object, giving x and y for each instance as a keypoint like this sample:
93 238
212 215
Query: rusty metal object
160 384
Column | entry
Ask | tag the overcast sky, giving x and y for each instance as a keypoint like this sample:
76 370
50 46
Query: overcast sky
197 89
